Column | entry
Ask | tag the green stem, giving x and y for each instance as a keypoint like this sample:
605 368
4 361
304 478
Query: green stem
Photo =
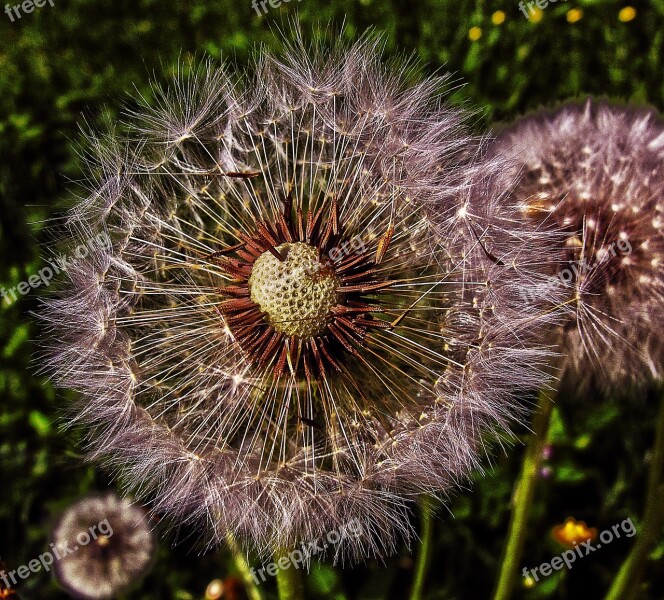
424 554
243 569
289 581
522 498
626 583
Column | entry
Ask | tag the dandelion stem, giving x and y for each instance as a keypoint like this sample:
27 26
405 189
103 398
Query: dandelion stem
522 497
424 554
289 581
243 569
626 583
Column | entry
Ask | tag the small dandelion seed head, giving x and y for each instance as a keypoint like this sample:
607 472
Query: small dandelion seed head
594 173
313 299
111 547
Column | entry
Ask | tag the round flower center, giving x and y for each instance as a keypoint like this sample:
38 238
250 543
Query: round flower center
297 294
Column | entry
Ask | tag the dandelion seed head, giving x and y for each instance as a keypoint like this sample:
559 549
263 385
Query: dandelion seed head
111 547
313 302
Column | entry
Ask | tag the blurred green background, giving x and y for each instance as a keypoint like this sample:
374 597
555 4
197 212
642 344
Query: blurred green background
80 57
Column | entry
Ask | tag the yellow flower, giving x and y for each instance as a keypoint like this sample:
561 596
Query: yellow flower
626 14
574 15
474 34
498 17
215 590
572 532
536 16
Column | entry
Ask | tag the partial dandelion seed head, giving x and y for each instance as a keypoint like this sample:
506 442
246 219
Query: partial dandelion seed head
594 173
